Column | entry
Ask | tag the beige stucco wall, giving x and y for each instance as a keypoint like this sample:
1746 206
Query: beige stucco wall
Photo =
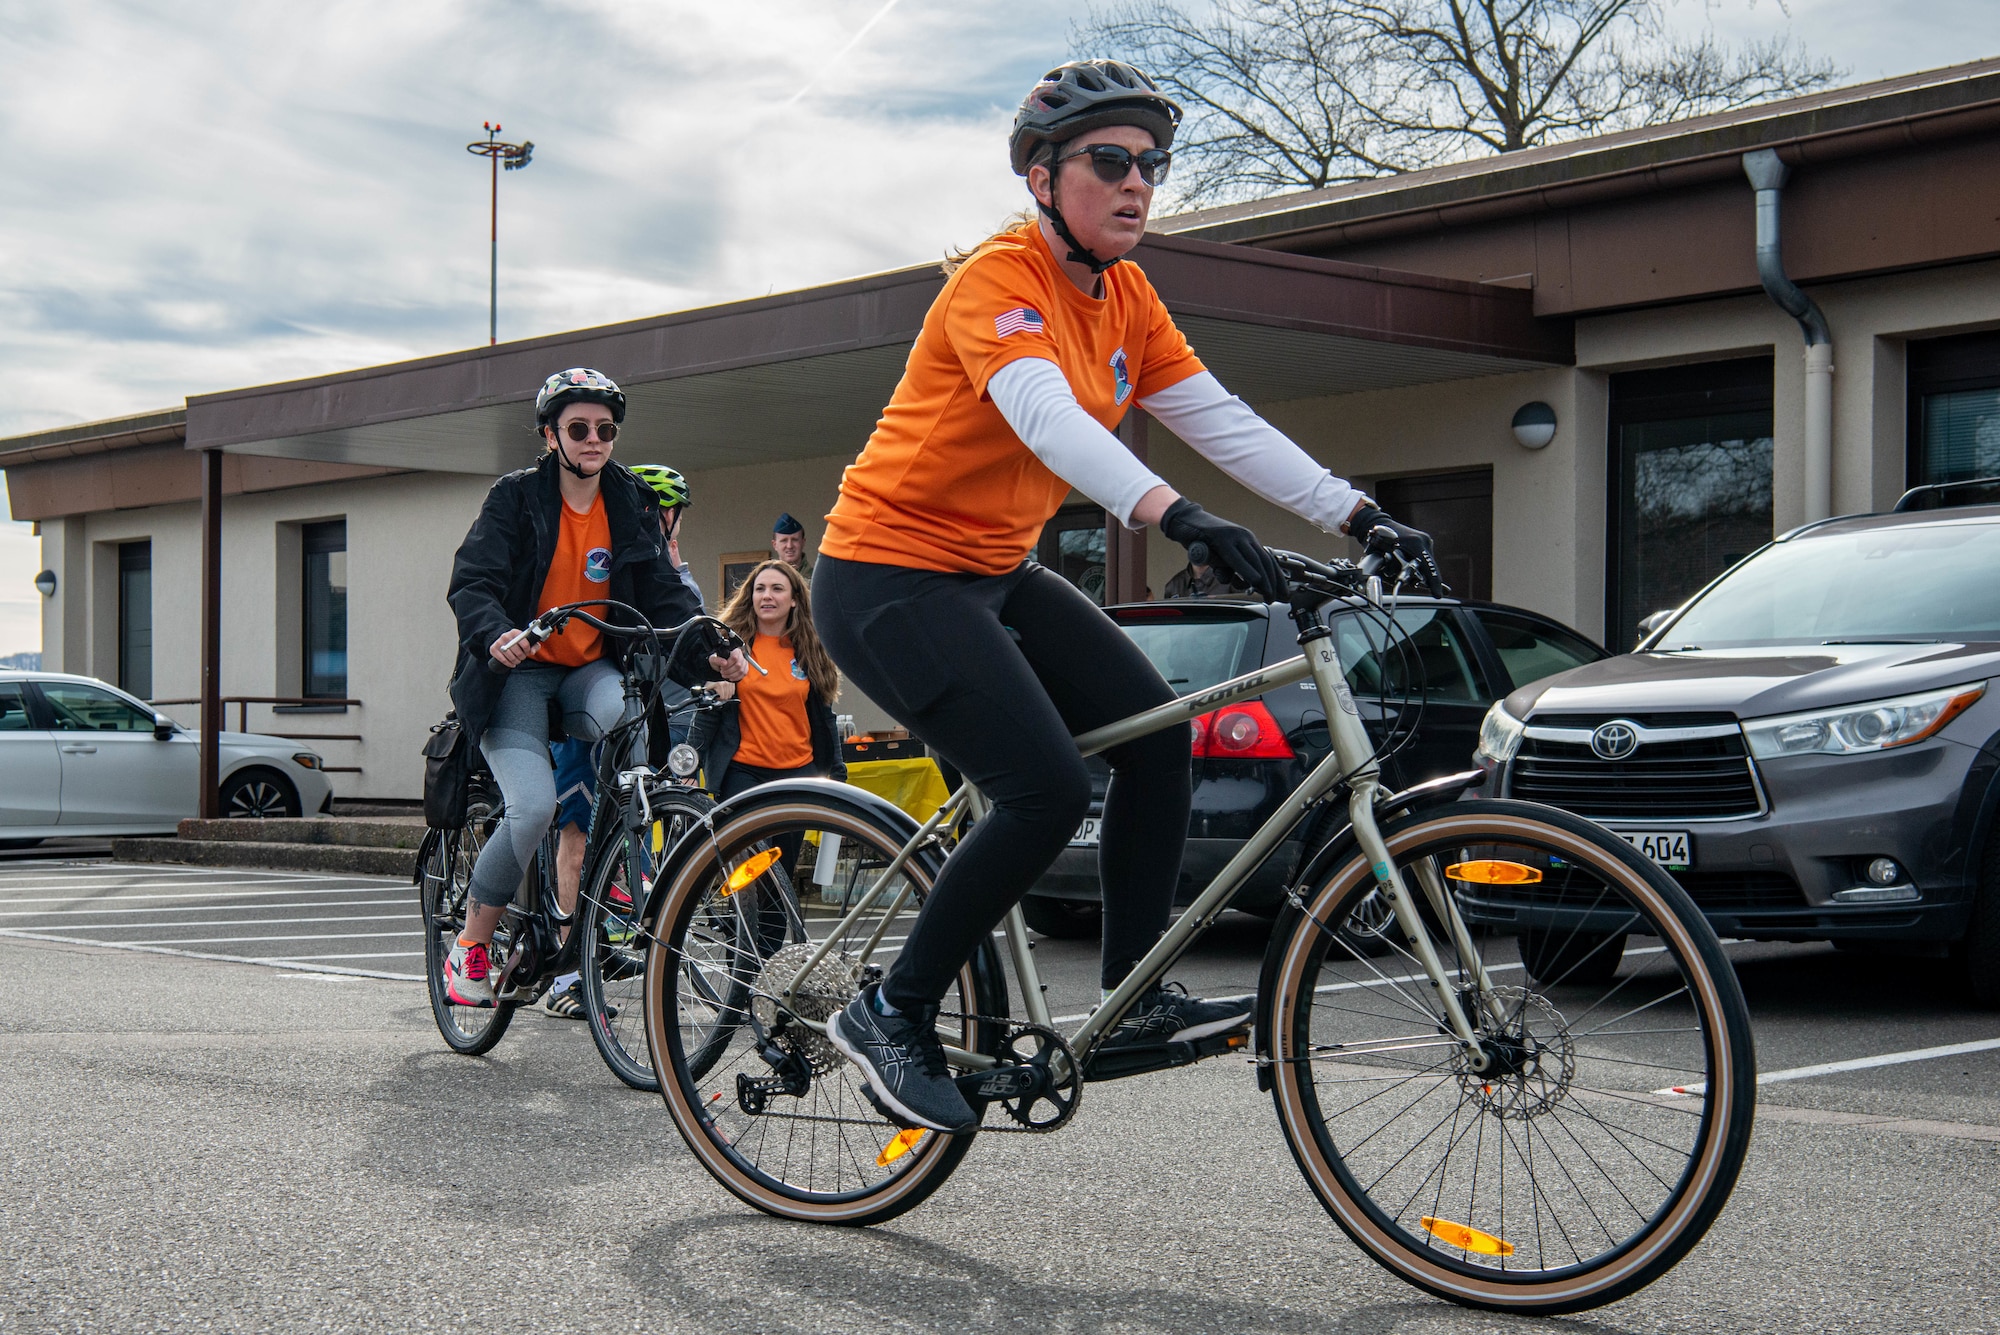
401 533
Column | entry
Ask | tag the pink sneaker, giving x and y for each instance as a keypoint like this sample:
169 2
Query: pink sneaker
467 975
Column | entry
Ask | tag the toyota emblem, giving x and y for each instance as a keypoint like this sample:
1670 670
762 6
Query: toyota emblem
1614 740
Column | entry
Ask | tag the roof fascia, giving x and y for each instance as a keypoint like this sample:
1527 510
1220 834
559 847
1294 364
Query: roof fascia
168 426
1953 105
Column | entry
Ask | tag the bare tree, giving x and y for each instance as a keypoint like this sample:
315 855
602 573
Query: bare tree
1298 94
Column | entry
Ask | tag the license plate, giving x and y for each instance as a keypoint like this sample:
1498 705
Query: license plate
1672 849
1086 834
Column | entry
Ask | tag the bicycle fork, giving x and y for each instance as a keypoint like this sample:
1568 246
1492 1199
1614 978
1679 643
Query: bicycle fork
1351 740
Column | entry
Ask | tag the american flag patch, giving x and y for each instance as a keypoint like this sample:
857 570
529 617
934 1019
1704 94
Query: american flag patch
1020 320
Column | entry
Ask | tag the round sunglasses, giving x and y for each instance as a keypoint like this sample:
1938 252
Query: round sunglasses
580 431
1113 163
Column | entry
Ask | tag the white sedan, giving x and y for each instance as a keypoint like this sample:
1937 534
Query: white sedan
81 758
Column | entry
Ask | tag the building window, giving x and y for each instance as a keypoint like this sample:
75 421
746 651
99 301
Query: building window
1690 483
323 552
1954 409
1456 509
135 618
1072 545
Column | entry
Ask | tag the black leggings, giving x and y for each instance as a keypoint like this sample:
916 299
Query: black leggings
933 649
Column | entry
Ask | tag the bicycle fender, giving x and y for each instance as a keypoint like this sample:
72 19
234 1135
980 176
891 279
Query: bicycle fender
858 800
1317 866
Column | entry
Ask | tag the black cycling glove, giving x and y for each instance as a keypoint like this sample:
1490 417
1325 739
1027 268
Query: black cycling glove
1232 548
1412 544
689 664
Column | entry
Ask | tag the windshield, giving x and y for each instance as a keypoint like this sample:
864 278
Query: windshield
1921 583
1195 655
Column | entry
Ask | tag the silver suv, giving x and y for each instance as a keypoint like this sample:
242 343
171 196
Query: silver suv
1811 745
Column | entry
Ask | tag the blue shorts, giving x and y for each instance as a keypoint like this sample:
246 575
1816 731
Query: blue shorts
576 784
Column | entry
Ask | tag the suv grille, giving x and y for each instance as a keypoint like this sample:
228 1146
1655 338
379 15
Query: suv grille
1701 778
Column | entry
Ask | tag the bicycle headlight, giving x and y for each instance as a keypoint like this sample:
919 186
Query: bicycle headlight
683 761
1499 735
1853 729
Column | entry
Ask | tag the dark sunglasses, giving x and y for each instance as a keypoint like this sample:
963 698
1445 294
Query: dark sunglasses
580 432
1112 163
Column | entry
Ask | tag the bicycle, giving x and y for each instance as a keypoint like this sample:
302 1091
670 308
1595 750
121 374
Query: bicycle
1540 1146
600 938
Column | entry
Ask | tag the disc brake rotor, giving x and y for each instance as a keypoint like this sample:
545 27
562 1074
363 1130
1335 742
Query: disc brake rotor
1533 1058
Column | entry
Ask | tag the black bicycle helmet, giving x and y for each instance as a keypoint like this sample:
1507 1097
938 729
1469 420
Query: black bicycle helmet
579 384
1074 99
1087 95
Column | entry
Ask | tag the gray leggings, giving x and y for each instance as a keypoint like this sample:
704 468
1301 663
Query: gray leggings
516 747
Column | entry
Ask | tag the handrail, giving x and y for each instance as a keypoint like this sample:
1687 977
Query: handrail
243 703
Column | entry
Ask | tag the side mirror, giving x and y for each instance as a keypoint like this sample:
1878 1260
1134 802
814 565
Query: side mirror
163 728
1649 624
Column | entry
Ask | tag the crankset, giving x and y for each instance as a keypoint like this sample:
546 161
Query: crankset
1037 1080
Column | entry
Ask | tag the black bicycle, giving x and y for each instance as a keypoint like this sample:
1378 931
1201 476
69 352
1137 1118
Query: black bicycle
637 812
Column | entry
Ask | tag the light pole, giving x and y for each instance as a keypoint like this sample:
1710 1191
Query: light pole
513 157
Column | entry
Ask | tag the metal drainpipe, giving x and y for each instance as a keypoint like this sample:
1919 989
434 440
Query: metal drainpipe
1767 177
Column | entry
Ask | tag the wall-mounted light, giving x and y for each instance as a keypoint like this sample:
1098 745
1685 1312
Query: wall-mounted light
1534 425
46 582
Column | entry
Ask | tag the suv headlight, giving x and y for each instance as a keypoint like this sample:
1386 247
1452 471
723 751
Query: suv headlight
1853 729
1499 735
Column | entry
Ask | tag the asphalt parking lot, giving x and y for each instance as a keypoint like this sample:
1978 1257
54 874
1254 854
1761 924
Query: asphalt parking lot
195 1140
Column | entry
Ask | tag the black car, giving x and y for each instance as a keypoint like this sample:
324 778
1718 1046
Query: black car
1435 686
1810 745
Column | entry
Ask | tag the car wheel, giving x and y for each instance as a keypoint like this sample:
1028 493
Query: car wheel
1064 919
1976 958
258 794
1555 958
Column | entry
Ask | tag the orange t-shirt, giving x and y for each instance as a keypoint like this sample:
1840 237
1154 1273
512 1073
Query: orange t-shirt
771 713
944 483
580 571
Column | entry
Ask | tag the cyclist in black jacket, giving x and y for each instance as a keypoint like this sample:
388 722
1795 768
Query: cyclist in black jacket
575 526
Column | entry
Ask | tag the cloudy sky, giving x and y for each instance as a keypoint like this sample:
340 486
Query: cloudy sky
204 194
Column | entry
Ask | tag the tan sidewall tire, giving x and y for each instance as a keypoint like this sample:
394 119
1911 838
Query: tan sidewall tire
1715 1165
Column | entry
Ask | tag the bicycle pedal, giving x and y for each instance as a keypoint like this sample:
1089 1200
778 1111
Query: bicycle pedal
893 1119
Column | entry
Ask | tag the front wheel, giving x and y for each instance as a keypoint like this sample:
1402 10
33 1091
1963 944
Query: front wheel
736 1008
1592 1136
612 957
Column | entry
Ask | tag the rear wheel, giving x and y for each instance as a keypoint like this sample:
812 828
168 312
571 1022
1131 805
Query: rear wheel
1063 919
444 873
1592 1136
764 1100
1976 958
613 957
1556 958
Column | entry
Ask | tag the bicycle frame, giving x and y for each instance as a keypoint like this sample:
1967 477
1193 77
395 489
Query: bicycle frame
1351 759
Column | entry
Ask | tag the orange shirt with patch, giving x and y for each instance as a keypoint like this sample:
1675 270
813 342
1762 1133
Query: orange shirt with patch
771 709
580 571
944 483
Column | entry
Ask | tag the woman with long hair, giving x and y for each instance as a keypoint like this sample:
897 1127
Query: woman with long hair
778 724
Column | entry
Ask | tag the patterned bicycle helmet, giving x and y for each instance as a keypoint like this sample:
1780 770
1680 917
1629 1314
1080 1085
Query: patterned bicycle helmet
1086 95
579 384
666 482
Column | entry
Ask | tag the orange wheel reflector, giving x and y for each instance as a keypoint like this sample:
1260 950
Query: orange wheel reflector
1469 1239
750 871
904 1142
1492 872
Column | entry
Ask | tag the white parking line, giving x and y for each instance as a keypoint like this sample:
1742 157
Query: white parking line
211 894
209 908
1855 1064
217 959
235 940
355 955
405 916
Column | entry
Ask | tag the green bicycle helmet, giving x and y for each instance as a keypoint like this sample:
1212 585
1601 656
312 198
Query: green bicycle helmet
667 483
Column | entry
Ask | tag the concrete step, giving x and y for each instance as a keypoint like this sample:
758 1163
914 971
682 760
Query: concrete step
342 859
334 830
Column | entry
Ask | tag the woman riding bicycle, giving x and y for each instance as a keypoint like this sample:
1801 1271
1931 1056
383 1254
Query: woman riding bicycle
1040 342
573 527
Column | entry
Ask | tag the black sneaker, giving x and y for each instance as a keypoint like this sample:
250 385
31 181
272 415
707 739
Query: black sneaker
1167 1014
903 1061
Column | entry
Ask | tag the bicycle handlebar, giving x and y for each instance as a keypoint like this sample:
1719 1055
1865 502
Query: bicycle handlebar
1342 578
538 631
